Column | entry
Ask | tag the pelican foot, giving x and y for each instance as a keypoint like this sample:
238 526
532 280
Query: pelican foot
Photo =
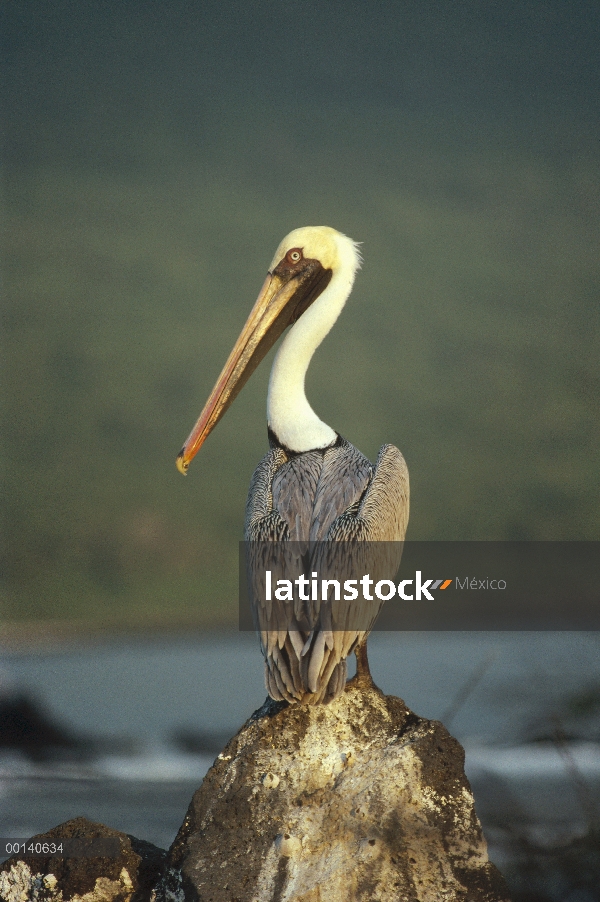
363 676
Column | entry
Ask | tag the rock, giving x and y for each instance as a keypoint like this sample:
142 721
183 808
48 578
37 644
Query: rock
28 729
356 800
127 874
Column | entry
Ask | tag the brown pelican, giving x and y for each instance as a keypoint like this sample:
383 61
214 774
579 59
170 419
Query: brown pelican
313 485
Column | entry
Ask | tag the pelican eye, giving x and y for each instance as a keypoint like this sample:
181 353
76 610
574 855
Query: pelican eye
294 256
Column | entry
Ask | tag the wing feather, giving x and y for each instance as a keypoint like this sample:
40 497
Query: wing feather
325 497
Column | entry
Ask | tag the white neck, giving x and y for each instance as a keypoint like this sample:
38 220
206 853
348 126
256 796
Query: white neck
289 414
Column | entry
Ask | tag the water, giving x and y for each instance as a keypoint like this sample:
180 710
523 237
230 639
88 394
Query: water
495 691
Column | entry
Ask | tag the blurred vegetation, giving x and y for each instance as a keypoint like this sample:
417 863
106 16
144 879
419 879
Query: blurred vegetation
137 238
560 861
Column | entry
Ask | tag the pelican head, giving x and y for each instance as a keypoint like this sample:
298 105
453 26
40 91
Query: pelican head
311 264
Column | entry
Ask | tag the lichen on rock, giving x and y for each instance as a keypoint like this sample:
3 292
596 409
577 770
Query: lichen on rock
353 801
128 876
356 800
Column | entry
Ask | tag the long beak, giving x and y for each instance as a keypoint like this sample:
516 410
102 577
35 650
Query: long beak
283 298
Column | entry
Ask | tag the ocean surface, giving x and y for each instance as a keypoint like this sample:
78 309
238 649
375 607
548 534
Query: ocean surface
522 704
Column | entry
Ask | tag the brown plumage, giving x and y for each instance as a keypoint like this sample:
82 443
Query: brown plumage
329 496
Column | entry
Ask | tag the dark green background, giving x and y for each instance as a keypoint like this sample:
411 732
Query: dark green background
155 153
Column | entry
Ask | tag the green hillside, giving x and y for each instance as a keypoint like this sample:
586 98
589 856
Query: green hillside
470 340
